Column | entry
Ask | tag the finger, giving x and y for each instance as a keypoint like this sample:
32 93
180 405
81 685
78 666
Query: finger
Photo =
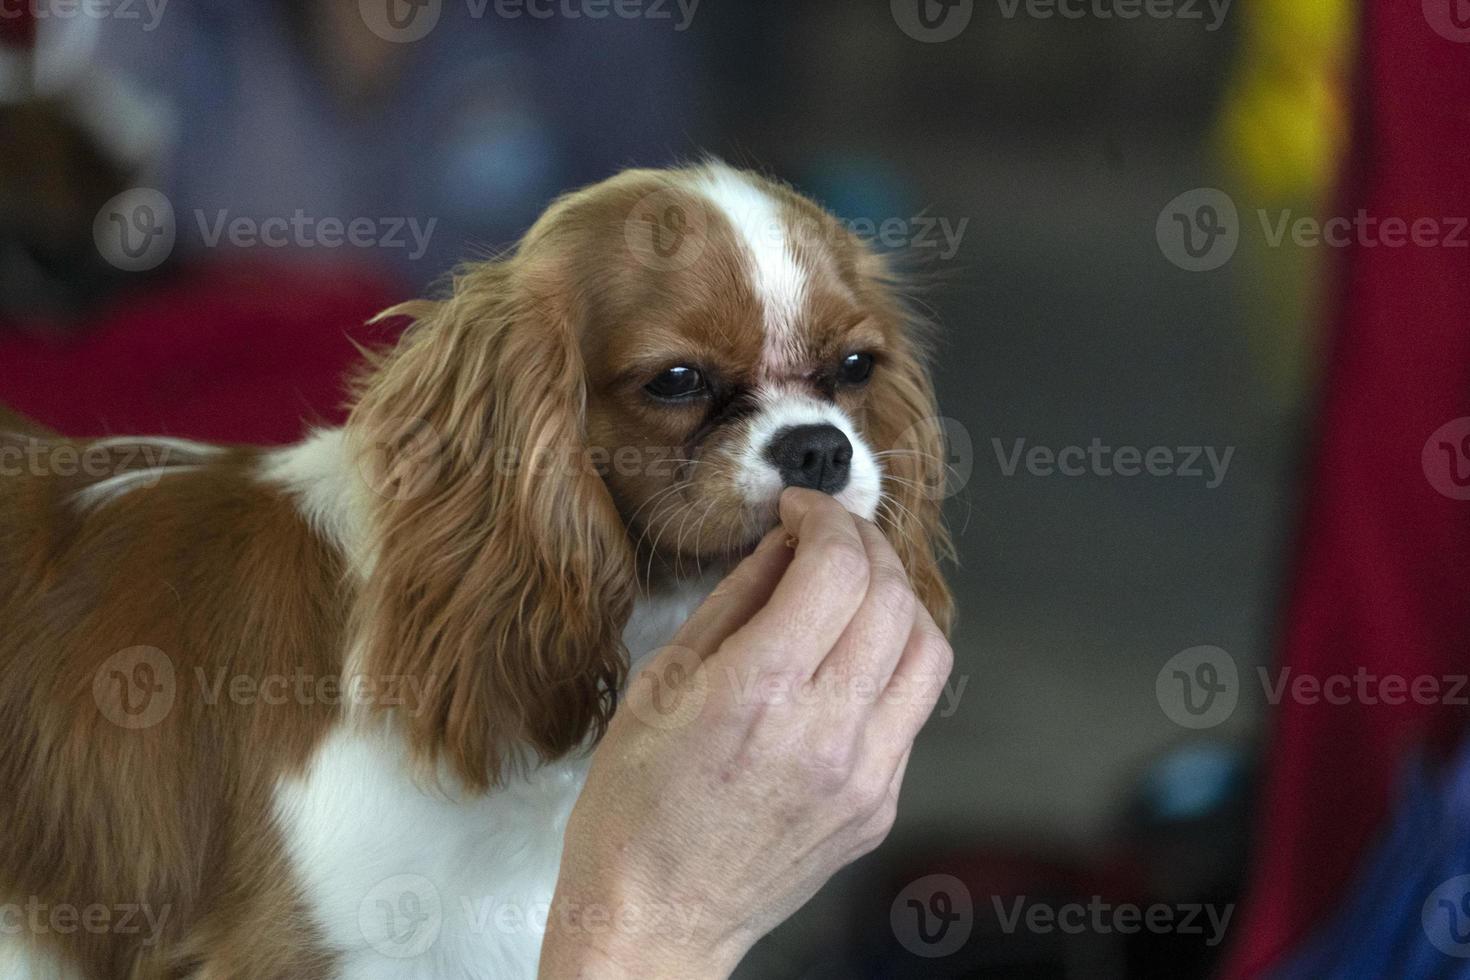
917 683
821 590
738 596
873 642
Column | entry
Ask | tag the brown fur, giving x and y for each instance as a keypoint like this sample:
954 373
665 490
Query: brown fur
508 551
217 574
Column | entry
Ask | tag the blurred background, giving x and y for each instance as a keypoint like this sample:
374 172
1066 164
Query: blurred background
201 202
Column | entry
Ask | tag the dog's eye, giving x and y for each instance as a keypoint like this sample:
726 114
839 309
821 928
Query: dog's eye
677 383
855 369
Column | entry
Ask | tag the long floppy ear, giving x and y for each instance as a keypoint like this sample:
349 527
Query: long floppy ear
904 423
502 576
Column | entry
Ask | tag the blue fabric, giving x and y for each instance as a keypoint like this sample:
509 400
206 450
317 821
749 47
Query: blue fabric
1407 913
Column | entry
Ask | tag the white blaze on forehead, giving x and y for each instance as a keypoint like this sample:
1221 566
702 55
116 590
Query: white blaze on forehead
777 277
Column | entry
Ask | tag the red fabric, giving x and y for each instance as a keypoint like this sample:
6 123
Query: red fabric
17 26
1383 577
226 353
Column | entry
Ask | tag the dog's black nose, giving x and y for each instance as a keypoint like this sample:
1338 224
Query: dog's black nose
818 457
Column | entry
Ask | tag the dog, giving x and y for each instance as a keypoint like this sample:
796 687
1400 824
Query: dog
322 711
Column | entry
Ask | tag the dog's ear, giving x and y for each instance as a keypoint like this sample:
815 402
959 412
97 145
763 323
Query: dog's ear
503 575
904 425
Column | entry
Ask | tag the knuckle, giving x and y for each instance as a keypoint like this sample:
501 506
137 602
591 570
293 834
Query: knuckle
869 793
938 654
934 653
831 762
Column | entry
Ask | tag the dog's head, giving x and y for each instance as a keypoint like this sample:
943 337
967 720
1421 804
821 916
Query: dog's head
624 395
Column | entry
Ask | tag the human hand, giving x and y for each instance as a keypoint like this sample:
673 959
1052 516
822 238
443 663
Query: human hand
799 686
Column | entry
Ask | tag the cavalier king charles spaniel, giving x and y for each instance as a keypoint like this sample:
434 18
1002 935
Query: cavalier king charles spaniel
322 711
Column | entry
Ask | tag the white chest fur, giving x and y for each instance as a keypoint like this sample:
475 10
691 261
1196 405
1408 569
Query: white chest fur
407 884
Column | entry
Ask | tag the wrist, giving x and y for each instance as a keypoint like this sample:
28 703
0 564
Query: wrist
565 958
603 934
